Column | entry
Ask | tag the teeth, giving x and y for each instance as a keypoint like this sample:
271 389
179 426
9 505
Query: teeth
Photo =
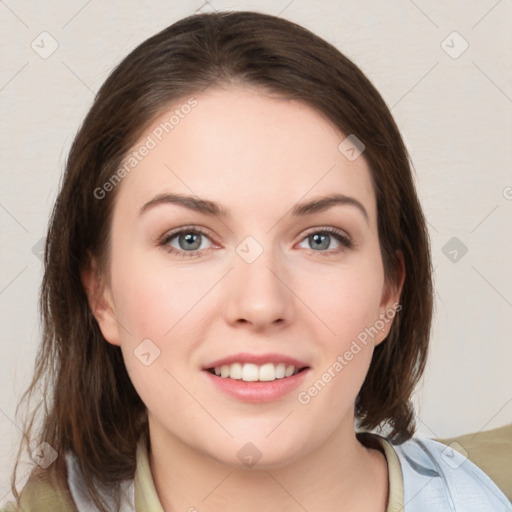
250 372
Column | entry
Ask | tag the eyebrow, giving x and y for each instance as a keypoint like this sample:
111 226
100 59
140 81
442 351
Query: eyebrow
213 209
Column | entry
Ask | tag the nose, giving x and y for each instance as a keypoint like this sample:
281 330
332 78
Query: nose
258 293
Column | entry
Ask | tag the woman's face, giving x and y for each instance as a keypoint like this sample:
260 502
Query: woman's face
264 279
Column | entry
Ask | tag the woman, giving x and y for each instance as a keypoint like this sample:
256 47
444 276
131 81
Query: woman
237 272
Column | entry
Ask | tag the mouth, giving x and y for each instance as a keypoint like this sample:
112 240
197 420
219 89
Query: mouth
257 378
257 384
250 372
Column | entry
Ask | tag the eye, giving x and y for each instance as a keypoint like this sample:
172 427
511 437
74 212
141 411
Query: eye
320 239
188 241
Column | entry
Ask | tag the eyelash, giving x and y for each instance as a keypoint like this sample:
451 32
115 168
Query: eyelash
346 242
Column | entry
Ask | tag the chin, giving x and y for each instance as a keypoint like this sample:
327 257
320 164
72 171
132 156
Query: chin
260 453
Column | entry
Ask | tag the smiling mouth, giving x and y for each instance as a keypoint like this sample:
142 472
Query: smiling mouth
250 372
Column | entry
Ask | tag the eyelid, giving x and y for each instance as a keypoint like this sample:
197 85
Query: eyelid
328 229
199 229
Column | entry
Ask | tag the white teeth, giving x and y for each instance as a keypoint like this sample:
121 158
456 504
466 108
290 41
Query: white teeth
235 371
289 371
280 370
267 372
250 372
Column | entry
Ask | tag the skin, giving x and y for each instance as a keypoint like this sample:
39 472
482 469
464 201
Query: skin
257 156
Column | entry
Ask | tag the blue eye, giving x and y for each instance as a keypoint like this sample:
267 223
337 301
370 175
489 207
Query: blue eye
190 240
187 239
319 237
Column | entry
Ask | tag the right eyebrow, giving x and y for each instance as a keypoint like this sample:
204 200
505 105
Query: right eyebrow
323 203
192 203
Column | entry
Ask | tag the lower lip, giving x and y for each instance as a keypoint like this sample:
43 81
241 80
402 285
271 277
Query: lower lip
257 392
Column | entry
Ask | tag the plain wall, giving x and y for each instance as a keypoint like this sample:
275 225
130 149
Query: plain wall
454 112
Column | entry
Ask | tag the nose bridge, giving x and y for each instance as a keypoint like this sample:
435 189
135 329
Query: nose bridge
257 292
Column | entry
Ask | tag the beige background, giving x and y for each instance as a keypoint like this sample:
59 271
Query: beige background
455 113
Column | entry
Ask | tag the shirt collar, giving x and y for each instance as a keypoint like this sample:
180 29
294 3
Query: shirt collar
146 497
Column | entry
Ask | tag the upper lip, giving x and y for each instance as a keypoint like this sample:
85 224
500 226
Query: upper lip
259 359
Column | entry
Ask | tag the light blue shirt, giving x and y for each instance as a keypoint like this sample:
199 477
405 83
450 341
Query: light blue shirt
436 478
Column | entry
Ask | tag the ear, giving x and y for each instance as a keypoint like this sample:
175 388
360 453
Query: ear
100 301
390 301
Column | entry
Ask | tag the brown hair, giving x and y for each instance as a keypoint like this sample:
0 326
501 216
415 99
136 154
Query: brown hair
91 406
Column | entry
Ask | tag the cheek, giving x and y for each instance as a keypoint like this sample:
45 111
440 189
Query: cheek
345 300
158 307
151 300
345 345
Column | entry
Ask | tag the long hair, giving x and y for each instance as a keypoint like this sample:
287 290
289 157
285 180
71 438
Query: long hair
90 404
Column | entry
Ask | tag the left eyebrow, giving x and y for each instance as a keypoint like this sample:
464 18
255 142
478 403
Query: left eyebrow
324 203
213 209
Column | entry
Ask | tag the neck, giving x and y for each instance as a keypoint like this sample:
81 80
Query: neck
340 474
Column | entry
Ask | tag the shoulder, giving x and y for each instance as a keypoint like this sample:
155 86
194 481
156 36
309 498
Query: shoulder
491 451
40 495
435 474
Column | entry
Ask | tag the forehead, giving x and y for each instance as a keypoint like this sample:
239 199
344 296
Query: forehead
244 149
